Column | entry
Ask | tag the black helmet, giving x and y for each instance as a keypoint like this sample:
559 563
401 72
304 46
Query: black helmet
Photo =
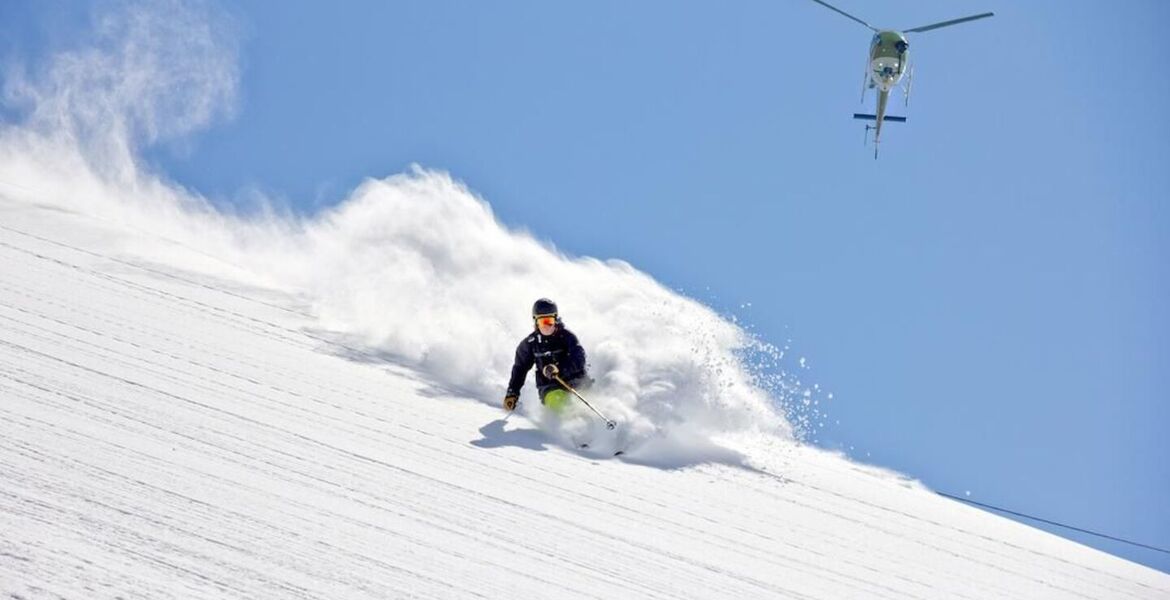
544 306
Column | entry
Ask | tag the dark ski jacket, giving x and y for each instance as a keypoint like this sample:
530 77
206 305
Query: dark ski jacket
561 348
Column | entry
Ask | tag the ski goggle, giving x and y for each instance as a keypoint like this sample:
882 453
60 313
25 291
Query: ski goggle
545 320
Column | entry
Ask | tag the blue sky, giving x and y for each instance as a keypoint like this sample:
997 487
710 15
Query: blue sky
986 301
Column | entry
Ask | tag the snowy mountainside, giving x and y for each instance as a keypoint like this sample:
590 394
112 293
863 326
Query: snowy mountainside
198 403
170 429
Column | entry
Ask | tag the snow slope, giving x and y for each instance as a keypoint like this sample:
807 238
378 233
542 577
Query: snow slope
166 432
197 404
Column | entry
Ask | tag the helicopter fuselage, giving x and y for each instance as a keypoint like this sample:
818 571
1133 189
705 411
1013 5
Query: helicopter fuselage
889 54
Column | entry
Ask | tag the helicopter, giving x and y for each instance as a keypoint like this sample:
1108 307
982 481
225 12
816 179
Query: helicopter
889 57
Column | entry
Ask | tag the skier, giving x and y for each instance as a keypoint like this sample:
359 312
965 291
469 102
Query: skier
555 351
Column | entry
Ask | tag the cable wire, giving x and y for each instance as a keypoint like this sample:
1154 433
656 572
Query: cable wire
1026 516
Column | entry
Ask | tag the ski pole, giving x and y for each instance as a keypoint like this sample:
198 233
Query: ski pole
608 424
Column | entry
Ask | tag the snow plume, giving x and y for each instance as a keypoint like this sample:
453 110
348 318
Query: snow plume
418 267
149 72
414 268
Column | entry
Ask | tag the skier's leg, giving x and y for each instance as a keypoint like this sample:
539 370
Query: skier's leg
557 416
556 401
582 383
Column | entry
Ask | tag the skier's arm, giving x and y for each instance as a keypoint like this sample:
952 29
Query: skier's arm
520 367
575 362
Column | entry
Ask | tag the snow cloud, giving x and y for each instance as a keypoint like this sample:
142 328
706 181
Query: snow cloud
149 72
413 267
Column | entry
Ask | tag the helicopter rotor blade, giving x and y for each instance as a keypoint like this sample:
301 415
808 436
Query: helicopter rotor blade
944 23
841 12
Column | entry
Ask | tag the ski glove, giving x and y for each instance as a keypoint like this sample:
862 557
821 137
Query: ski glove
510 402
550 371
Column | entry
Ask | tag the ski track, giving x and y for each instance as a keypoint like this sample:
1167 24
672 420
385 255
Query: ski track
165 437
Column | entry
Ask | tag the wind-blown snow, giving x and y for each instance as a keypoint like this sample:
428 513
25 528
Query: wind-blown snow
413 267
197 403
